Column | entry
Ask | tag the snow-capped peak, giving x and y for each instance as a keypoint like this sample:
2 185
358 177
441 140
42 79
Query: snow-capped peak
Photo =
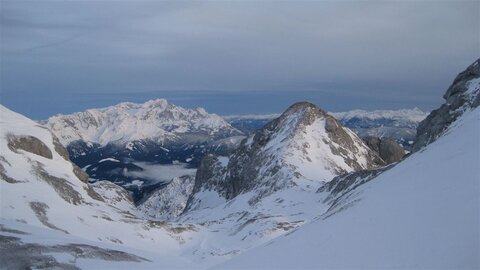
155 120
303 148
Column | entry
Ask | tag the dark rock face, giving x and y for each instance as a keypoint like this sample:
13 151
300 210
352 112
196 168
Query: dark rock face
62 151
83 176
15 254
34 145
29 144
3 172
210 176
341 189
389 150
344 183
460 96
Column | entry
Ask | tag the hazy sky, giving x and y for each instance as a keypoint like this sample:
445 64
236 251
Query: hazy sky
233 57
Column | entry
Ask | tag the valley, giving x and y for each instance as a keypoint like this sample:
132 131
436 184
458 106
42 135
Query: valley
168 187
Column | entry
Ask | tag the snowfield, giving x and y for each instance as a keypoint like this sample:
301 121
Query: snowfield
422 213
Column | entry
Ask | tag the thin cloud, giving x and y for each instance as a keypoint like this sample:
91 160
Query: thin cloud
52 44
373 50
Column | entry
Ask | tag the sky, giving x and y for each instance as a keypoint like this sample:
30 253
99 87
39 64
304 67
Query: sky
235 57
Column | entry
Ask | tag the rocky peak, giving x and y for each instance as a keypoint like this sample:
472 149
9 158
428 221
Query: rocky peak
303 112
462 95
303 147
389 150
210 177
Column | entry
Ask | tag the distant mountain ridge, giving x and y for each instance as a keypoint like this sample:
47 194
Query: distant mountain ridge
109 143
155 120
399 125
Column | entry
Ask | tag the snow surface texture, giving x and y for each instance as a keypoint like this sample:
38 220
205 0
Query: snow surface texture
126 122
423 213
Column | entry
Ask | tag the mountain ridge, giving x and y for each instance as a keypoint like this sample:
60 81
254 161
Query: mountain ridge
126 122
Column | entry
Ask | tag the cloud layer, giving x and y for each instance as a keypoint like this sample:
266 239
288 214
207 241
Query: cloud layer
407 51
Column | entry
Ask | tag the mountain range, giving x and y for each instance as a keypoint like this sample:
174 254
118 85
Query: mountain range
129 143
399 125
120 142
302 191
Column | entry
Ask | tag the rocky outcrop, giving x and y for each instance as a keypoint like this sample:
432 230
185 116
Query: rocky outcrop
16 254
35 146
210 176
462 95
347 182
167 203
60 149
389 150
29 144
82 175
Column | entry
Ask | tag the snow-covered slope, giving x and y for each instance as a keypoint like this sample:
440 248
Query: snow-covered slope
155 120
423 213
267 187
42 197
